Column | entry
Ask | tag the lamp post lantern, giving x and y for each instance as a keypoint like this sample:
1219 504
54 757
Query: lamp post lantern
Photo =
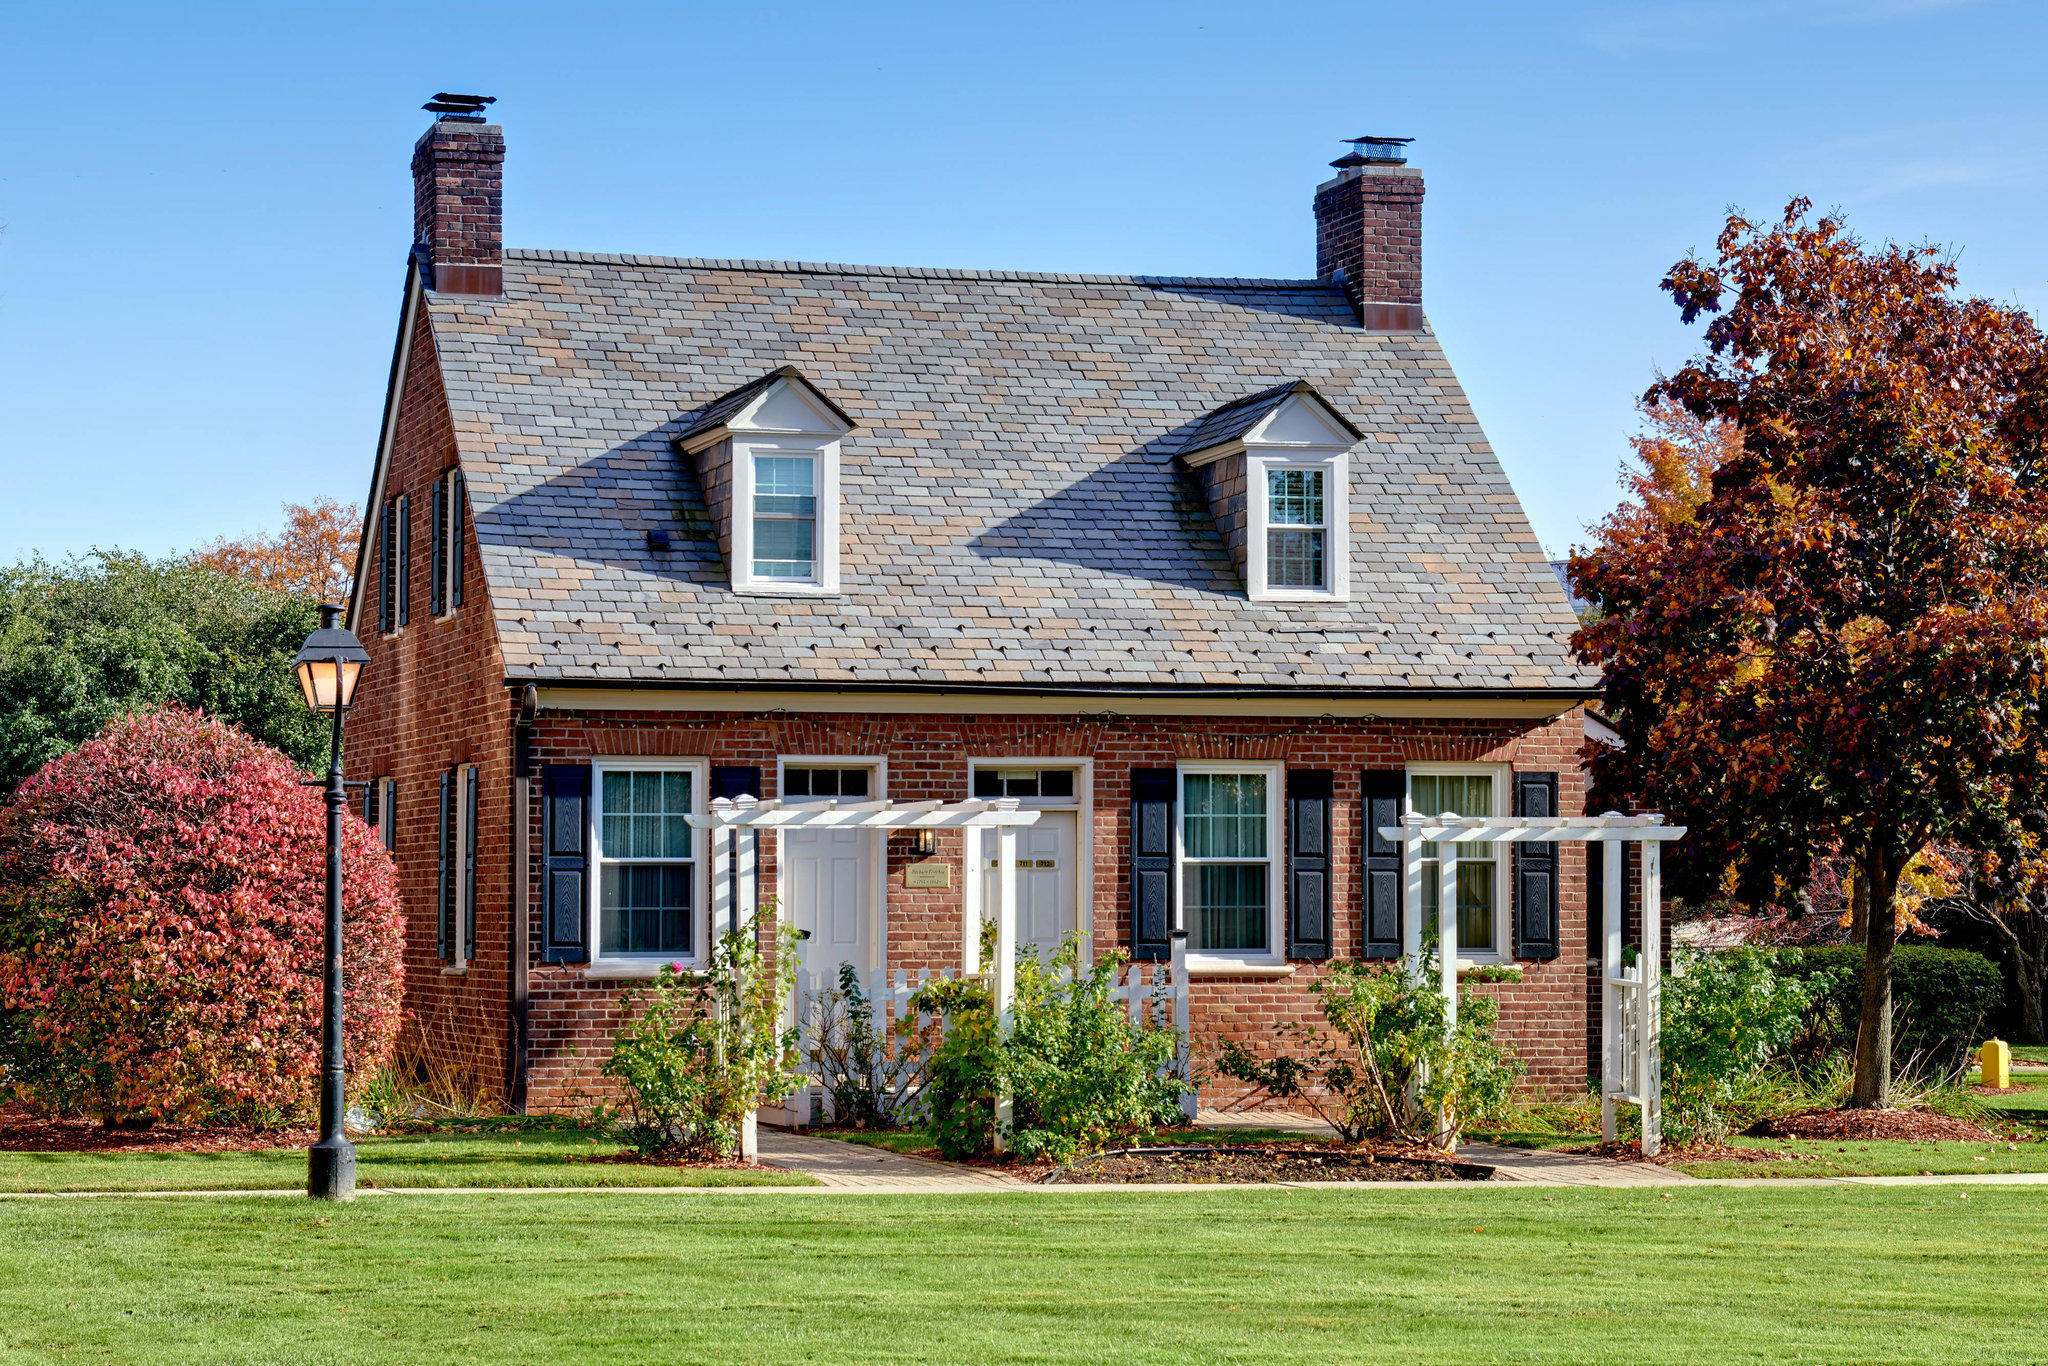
328 666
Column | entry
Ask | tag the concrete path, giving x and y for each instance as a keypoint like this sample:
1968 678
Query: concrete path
856 1166
1512 1164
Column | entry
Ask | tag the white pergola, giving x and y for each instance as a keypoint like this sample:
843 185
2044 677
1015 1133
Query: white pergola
1630 1063
734 821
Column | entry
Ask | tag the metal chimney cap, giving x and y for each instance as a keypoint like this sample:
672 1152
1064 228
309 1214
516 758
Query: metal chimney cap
1374 151
459 108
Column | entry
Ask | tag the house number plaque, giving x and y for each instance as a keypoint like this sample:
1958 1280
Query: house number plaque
928 875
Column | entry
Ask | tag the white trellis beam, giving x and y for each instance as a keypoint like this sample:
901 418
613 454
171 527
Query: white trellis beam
1631 1065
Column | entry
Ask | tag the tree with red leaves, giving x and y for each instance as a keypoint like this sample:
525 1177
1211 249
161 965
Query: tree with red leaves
1843 646
162 913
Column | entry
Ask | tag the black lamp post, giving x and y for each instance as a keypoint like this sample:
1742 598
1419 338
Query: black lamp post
328 666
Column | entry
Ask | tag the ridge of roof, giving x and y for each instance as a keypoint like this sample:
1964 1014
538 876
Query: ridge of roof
598 258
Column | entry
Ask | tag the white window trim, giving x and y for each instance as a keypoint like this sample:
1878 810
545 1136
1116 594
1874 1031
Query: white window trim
1276 866
1082 803
1335 464
449 549
1503 924
635 964
823 450
387 829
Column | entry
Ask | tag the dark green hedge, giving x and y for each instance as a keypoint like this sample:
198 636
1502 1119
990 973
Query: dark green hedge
1941 998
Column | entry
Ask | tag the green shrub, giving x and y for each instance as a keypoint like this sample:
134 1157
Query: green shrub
873 1069
1080 1070
1398 1072
966 1068
1725 1015
1940 1000
704 1048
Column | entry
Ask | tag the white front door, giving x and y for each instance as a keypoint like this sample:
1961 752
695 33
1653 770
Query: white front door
1045 880
828 875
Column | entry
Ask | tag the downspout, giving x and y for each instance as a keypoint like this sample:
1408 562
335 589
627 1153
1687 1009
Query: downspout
521 899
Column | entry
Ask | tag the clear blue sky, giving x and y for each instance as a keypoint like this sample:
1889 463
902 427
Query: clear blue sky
204 208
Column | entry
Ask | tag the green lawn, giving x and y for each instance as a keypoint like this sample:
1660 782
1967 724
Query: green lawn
1431 1275
1814 1157
541 1156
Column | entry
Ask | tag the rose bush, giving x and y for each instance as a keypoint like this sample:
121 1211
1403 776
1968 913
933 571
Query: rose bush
162 910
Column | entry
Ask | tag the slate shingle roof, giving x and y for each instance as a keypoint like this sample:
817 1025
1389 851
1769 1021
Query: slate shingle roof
1013 511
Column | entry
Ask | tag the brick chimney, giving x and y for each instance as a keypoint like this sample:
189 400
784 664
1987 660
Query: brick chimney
458 214
1369 233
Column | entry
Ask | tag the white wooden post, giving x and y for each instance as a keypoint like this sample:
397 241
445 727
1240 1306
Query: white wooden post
1650 999
970 900
1006 955
1611 911
723 838
1447 929
1411 906
1181 1006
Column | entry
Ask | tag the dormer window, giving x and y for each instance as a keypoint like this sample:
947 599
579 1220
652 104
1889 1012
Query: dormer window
1276 468
768 454
785 517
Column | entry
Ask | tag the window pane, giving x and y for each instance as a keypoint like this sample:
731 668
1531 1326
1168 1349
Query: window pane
796 782
783 476
987 783
1224 815
1294 559
853 782
783 548
1475 905
645 908
1461 794
1056 782
1227 906
644 814
1294 497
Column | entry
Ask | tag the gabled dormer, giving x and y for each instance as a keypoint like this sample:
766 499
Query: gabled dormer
768 456
1275 467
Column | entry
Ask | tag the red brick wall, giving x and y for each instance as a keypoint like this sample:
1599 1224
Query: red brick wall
431 699
1369 225
1544 1016
458 178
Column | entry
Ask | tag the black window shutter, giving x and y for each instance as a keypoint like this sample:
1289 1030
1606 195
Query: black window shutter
1308 862
437 601
389 826
566 865
735 780
387 568
404 561
370 802
1535 917
1151 863
1384 793
444 872
458 518
469 795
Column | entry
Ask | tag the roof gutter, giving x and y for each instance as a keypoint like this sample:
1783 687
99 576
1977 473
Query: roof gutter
1568 695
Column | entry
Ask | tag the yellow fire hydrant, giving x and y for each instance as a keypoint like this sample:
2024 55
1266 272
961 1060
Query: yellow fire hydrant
1994 1063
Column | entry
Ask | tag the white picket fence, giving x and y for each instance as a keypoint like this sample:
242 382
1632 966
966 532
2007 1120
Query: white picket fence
1149 991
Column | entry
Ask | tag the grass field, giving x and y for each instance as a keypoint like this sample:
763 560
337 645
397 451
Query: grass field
1692 1275
510 1157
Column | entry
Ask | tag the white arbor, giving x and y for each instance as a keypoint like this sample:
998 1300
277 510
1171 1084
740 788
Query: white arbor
1630 1064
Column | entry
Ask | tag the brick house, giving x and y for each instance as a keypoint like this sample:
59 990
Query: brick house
1206 570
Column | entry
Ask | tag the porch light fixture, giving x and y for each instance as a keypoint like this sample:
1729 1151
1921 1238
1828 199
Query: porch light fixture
329 666
924 842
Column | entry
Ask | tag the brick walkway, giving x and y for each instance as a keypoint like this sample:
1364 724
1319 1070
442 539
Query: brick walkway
857 1166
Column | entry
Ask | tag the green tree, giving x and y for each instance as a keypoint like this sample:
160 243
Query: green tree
104 635
1843 646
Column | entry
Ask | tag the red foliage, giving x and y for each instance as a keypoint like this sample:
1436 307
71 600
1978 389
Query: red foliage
162 908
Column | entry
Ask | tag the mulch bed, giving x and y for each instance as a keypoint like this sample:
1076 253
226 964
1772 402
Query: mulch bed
1632 1151
22 1131
1261 1163
1917 1126
629 1158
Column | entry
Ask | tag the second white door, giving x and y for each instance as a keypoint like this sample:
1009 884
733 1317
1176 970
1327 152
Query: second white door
1045 880
829 874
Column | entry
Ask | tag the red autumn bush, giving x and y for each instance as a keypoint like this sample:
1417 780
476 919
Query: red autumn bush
162 917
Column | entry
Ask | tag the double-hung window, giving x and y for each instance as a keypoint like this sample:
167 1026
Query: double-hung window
1229 850
1480 874
1297 528
650 876
785 517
